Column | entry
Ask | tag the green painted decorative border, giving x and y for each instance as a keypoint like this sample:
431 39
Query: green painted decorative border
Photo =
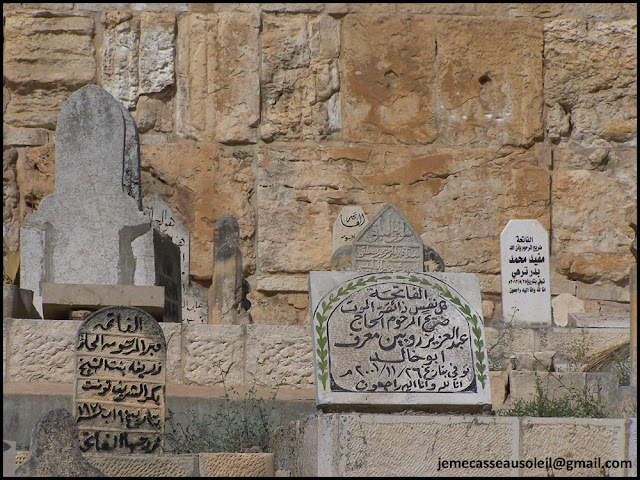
322 349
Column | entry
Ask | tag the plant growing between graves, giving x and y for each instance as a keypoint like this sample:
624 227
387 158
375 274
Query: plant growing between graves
495 364
241 424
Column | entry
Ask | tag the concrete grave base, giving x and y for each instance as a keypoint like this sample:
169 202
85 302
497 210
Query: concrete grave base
351 444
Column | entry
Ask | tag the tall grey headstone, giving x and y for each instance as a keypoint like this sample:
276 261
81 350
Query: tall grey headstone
54 449
120 381
388 243
225 297
398 340
524 271
89 231
348 224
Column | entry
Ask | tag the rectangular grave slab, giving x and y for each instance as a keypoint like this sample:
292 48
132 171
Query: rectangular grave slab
120 382
388 243
524 271
393 341
59 299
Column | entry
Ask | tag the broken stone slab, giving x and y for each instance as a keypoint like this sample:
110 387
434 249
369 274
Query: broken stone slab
54 450
89 231
60 299
562 306
17 302
398 340
598 320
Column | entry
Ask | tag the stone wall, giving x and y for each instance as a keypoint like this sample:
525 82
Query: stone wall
463 115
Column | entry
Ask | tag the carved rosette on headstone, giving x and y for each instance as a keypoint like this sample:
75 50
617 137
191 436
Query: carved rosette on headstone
120 379
388 243
398 340
524 271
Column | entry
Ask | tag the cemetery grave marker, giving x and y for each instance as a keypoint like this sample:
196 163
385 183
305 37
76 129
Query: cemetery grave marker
388 243
120 379
524 271
347 226
398 340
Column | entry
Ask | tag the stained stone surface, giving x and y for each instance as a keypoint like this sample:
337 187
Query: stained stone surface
167 269
8 458
54 449
88 231
398 340
388 243
524 260
348 224
120 381
194 305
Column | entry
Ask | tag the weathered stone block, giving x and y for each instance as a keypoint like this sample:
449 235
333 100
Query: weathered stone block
218 83
48 51
590 81
173 337
20 137
280 355
573 439
139 465
564 305
388 87
488 94
236 464
579 343
300 77
37 108
221 345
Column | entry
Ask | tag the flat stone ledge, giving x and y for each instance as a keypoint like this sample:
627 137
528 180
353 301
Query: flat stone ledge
58 299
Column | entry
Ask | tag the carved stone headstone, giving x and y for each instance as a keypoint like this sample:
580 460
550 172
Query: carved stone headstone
225 297
398 340
120 379
524 271
89 231
432 261
347 226
54 449
194 305
388 243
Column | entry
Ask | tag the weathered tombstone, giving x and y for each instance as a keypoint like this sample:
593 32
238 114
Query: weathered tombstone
89 231
398 340
194 305
432 261
167 268
54 449
8 458
120 379
225 297
388 243
131 164
168 223
347 226
524 270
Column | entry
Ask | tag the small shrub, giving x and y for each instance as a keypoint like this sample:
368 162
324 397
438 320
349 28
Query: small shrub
240 425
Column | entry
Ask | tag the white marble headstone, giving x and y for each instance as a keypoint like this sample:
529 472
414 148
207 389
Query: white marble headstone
398 340
347 226
524 270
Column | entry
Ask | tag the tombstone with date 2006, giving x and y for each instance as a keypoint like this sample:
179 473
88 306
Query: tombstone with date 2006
398 340
524 271
388 243
91 229
120 379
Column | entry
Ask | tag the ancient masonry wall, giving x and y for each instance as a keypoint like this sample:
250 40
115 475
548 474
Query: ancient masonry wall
463 115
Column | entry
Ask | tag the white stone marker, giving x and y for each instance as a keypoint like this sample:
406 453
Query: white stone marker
388 243
89 231
347 226
524 269
398 340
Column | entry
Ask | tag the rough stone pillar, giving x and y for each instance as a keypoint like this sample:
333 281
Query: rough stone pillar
225 295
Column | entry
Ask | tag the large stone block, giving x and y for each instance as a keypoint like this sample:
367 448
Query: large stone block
223 348
590 81
591 238
572 439
472 195
41 350
140 465
48 51
389 78
488 94
218 95
39 107
236 465
279 355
